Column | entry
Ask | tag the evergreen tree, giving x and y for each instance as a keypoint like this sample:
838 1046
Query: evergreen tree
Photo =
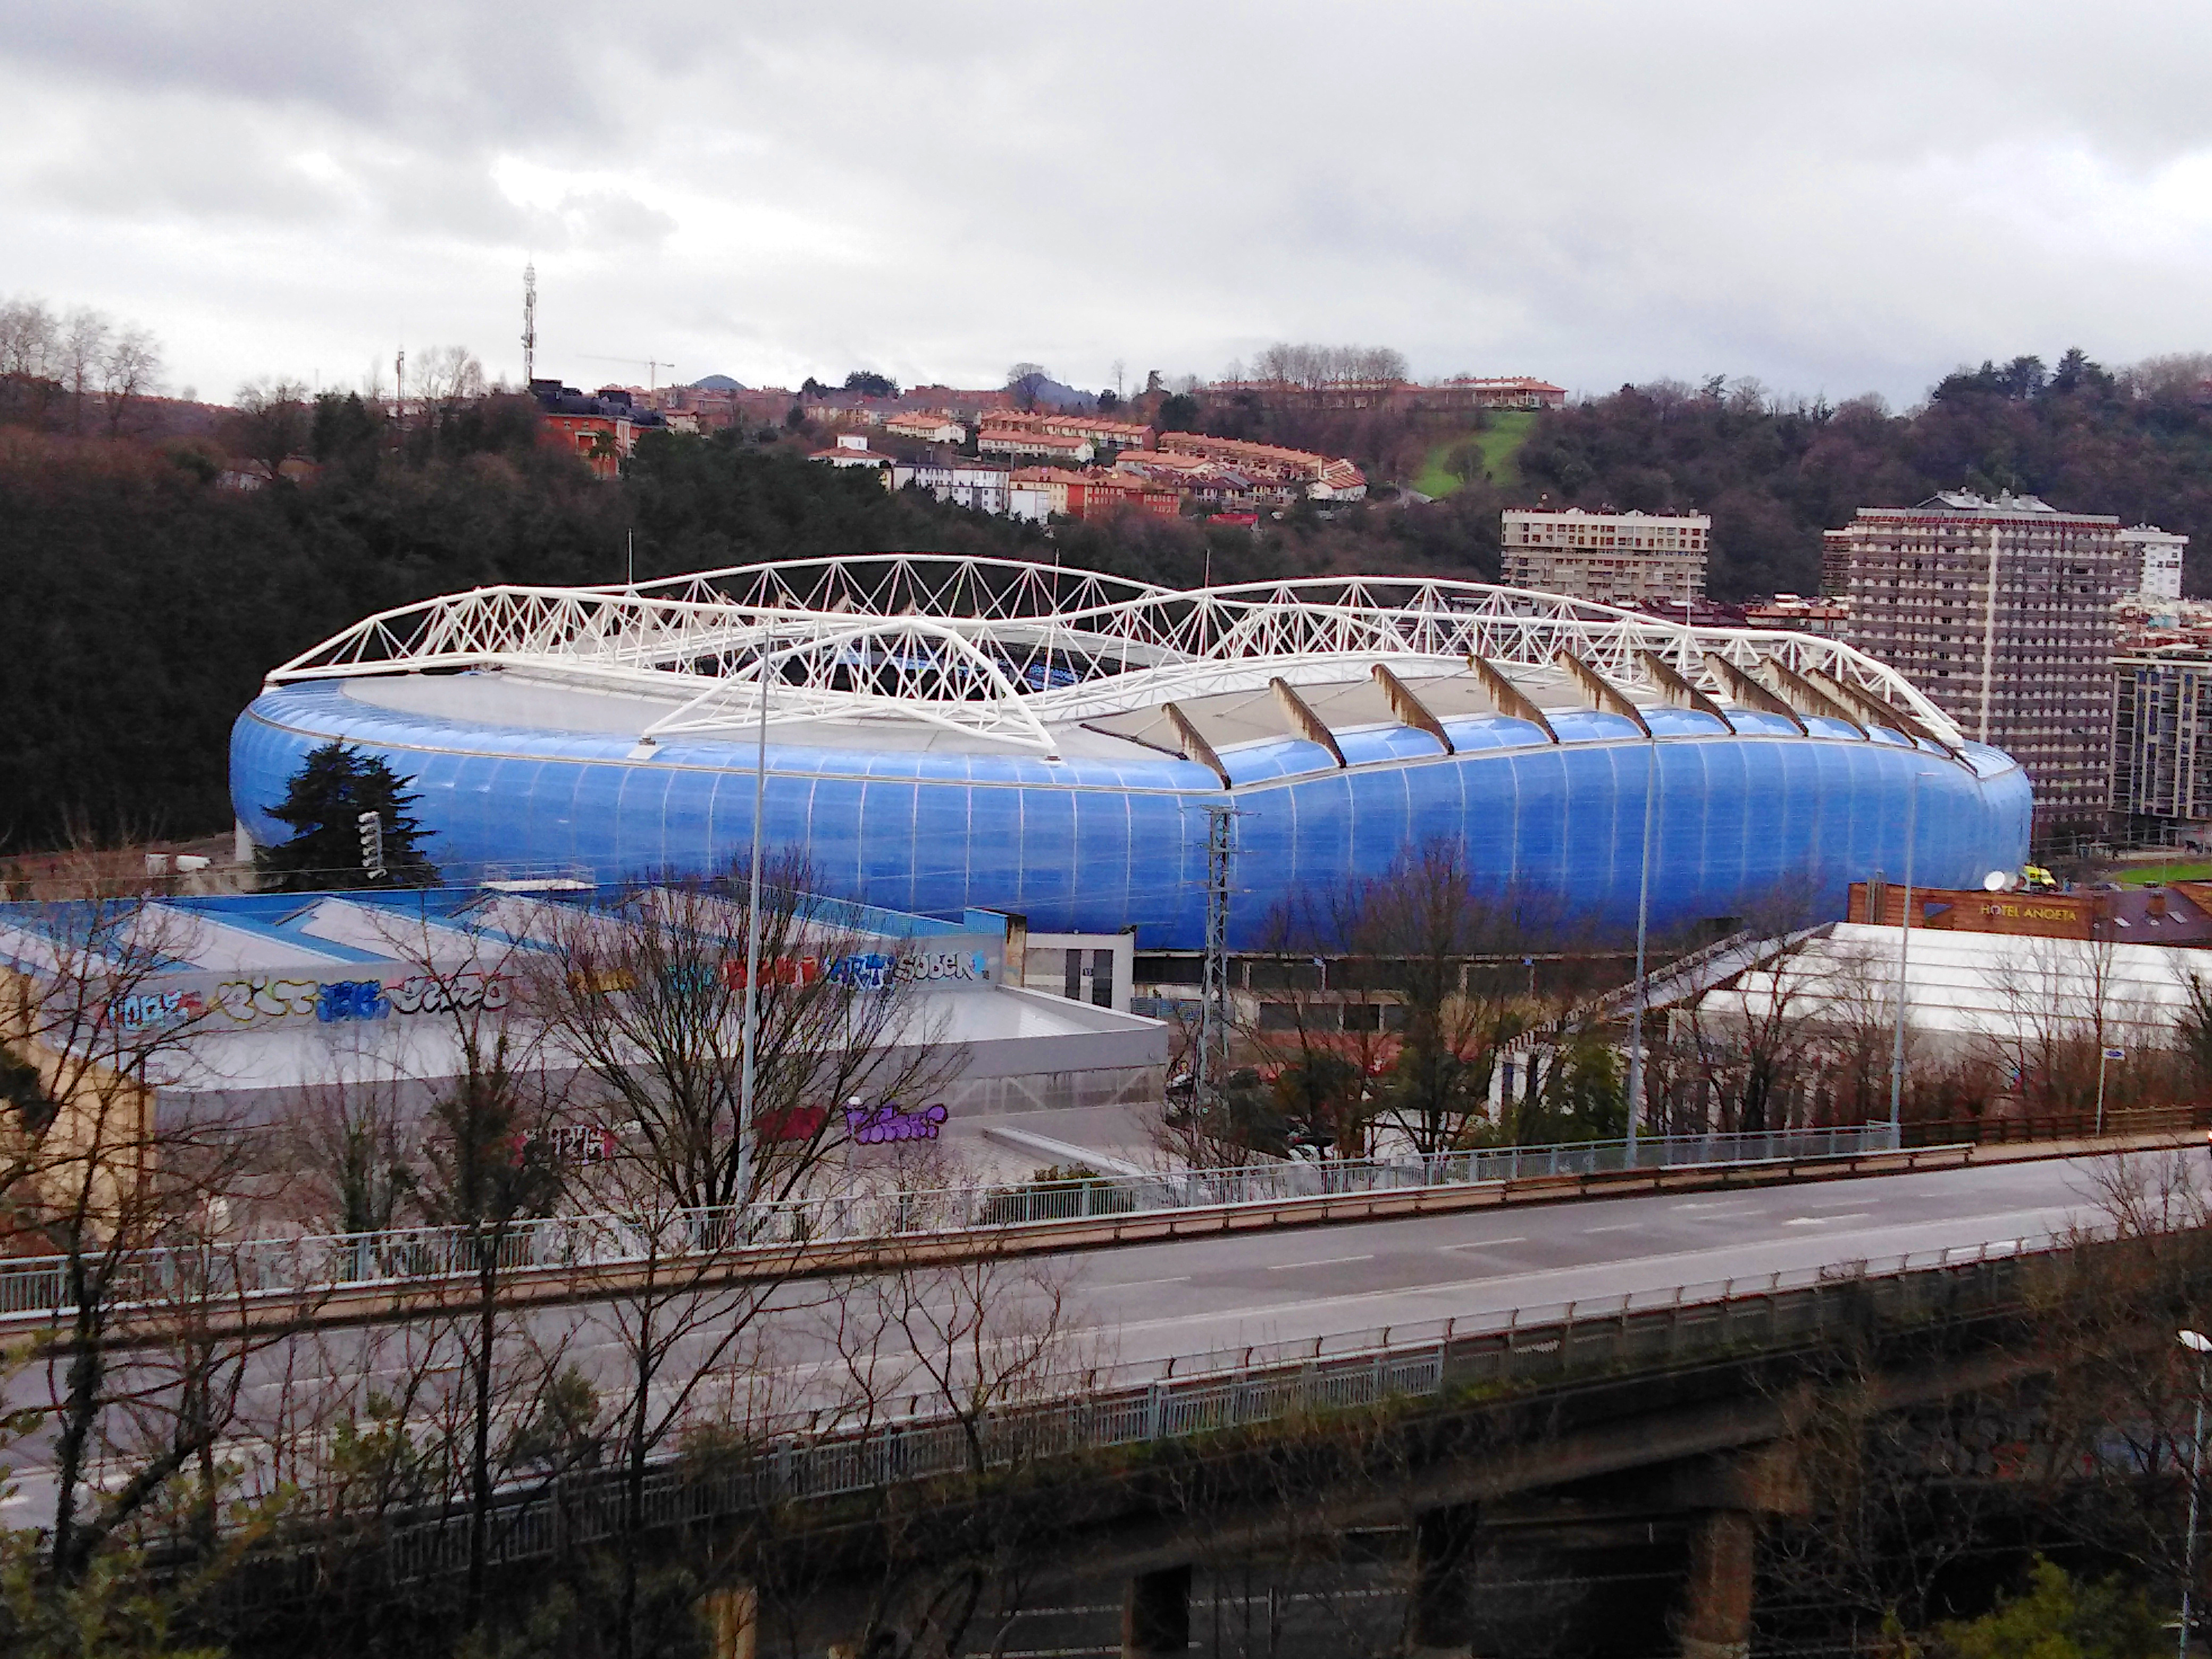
323 803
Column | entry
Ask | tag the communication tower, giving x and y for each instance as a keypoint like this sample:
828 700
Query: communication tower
530 322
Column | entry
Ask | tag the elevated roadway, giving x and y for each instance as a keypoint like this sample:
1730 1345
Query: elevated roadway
1187 1302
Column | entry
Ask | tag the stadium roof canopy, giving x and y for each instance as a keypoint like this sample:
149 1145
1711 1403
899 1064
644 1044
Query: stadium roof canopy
924 649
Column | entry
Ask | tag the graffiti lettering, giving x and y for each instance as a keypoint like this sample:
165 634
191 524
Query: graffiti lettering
351 998
784 970
150 1009
872 971
246 1000
870 1126
799 1123
865 970
425 994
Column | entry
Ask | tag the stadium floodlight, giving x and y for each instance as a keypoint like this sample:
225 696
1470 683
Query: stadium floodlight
371 827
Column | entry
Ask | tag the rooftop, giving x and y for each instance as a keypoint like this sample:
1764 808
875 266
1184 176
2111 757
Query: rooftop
984 654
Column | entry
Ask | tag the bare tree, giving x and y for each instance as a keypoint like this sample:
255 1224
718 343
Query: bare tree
973 1341
647 997
1431 932
86 340
448 374
1027 381
1323 367
131 370
30 355
130 1197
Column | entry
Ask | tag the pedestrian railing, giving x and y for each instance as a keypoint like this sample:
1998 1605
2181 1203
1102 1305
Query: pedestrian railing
1249 1388
430 1256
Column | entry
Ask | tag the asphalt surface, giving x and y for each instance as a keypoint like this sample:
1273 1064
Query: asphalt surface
816 1346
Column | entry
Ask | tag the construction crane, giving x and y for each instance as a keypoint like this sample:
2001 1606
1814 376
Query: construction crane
651 366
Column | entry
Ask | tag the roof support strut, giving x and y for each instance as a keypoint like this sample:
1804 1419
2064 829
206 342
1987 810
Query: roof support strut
1806 698
1875 711
1303 722
1678 692
1599 692
1507 698
1193 745
1410 709
1746 692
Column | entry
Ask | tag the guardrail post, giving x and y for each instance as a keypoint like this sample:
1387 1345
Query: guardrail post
1155 1411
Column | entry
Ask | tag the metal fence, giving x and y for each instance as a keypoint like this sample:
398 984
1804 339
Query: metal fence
1245 1388
42 1286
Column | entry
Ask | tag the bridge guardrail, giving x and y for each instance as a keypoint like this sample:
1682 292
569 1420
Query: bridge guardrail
423 1255
1100 1411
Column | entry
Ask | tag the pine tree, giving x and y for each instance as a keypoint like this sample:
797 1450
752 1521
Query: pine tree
323 803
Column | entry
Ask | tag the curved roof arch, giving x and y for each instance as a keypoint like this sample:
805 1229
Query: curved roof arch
1003 649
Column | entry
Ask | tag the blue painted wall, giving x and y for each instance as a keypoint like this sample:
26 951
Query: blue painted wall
1094 846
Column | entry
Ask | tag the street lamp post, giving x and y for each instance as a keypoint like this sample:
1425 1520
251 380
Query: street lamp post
752 956
2105 1052
1642 920
1903 943
2200 1345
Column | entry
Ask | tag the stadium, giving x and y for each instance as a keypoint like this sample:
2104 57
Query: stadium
944 733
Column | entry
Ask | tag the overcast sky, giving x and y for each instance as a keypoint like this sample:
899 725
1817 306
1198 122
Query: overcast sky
1834 197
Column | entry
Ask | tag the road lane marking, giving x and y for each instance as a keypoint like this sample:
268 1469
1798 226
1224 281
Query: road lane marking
1485 1243
1823 1220
1138 1284
1616 1227
1326 1261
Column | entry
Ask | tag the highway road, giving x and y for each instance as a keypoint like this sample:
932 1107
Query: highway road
1192 1295
1143 1303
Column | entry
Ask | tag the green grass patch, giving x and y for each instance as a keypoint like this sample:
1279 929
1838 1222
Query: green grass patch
1498 444
2145 874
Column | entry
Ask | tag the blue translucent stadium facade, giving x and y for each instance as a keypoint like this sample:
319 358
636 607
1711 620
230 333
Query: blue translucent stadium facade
947 734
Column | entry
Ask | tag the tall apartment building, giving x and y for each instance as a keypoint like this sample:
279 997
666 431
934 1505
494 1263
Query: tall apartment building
2001 612
1616 559
2162 735
2154 560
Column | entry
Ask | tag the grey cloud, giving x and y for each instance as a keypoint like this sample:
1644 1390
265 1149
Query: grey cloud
1592 192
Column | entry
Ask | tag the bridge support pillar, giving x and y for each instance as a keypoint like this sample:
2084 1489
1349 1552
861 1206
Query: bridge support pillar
1716 1610
1156 1614
1440 1620
732 1620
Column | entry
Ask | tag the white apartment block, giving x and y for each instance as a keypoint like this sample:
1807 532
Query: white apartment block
2154 560
1615 558
1027 442
961 483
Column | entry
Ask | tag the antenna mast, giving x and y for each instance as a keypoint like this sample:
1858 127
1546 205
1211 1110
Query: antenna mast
530 322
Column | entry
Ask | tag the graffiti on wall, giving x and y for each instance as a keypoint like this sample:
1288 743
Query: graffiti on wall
870 1126
266 1000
